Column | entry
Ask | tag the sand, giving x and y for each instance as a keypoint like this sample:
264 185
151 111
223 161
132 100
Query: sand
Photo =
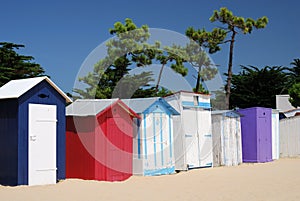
278 180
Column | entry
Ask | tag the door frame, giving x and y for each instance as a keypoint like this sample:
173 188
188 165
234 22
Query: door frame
33 137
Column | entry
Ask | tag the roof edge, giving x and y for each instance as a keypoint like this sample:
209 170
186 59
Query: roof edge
67 98
123 106
190 92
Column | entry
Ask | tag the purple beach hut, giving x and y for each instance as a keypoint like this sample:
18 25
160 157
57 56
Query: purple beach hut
256 125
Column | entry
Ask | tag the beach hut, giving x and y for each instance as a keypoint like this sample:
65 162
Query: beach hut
283 104
227 140
192 130
99 140
285 108
291 113
32 132
290 137
256 124
275 134
153 141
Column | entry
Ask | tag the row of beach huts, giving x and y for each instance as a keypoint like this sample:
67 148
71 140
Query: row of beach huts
42 141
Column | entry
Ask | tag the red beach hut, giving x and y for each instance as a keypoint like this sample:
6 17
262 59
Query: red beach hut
99 140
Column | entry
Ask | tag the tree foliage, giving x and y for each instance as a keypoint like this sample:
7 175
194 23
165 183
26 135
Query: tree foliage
217 101
294 92
198 57
16 66
175 56
129 48
295 71
233 25
258 87
208 40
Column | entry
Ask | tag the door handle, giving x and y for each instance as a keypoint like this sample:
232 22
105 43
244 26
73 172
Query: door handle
32 138
49 169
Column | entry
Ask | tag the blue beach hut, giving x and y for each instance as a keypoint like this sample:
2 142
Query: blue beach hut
32 132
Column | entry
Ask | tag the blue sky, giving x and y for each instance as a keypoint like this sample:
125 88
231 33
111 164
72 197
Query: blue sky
61 34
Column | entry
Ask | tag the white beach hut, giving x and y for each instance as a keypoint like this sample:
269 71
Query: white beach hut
192 130
227 141
153 150
275 134
290 137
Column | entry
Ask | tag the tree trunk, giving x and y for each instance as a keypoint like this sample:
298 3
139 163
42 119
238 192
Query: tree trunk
159 77
199 74
228 85
198 80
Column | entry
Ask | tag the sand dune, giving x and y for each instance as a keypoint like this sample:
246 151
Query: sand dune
278 180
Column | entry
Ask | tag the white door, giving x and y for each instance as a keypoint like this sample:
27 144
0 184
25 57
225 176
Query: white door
148 145
275 136
205 138
159 145
163 142
42 144
153 143
191 137
167 141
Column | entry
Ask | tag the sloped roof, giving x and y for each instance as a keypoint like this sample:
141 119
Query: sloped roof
139 105
16 88
291 113
188 92
220 111
227 113
283 104
88 107
92 107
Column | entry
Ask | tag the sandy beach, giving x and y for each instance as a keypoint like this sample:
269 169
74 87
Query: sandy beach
278 180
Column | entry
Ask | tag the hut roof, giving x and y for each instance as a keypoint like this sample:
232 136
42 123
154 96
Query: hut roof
92 107
139 105
16 88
